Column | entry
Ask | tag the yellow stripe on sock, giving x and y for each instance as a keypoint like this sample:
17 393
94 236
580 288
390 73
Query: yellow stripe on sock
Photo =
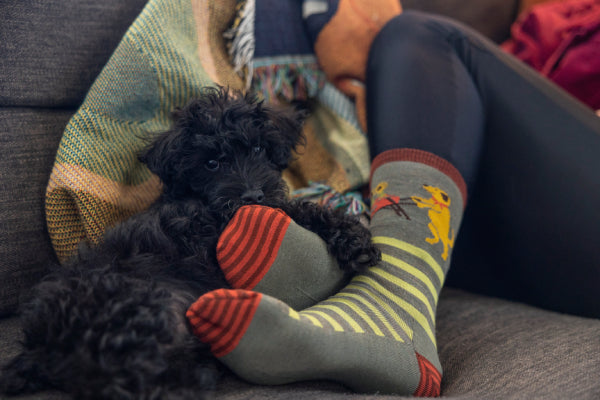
407 330
356 327
403 304
415 251
294 314
364 315
406 286
359 312
336 327
312 319
396 262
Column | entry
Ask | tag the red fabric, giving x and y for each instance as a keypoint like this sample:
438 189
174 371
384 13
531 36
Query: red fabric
430 383
221 318
562 41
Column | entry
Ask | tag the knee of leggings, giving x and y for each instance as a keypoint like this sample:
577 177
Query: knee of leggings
414 29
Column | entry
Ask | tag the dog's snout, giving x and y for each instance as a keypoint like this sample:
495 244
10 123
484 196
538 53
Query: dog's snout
253 196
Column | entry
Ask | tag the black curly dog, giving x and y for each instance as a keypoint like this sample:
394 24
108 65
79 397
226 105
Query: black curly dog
111 324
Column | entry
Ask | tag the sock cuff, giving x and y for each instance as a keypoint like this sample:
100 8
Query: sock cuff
422 157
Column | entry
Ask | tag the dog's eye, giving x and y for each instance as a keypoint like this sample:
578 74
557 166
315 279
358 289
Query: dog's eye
211 165
257 149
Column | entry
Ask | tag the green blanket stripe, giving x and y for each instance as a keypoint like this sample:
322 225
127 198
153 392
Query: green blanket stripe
104 146
155 69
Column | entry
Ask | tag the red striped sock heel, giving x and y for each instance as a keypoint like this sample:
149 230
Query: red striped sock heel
431 379
249 244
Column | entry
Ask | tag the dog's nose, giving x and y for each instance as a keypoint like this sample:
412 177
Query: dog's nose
253 196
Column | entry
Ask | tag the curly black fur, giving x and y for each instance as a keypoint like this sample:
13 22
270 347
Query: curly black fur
111 324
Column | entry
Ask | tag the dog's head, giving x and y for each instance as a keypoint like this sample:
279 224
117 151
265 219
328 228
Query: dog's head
438 195
226 150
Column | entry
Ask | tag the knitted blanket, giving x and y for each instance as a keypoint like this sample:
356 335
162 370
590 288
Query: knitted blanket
171 51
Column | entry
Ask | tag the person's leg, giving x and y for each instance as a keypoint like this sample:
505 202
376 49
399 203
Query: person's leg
530 229
377 334
420 96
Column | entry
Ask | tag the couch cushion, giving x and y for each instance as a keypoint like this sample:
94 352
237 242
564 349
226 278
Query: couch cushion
29 139
489 348
53 50
493 348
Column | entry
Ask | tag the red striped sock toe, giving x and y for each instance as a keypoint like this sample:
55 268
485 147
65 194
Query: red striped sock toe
249 244
221 318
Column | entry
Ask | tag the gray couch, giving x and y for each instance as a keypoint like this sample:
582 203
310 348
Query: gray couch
50 53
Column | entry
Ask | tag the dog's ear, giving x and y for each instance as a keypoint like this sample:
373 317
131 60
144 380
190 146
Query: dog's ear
158 155
284 128
168 154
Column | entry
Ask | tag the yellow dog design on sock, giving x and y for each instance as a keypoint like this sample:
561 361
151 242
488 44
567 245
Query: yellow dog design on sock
439 214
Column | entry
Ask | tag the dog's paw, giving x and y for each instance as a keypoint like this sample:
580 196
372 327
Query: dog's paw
356 252
368 257
371 256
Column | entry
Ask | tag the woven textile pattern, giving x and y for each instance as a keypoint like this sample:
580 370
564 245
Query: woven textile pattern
171 51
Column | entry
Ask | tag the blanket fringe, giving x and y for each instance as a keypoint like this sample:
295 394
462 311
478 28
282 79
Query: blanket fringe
288 82
351 202
241 41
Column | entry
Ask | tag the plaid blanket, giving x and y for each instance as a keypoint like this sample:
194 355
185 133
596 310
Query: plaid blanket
171 51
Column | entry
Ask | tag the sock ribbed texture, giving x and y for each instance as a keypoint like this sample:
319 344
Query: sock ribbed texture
378 333
264 250
235 309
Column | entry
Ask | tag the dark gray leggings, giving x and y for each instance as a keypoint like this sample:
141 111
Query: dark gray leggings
529 152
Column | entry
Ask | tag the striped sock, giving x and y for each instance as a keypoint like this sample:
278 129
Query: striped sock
378 333
264 250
